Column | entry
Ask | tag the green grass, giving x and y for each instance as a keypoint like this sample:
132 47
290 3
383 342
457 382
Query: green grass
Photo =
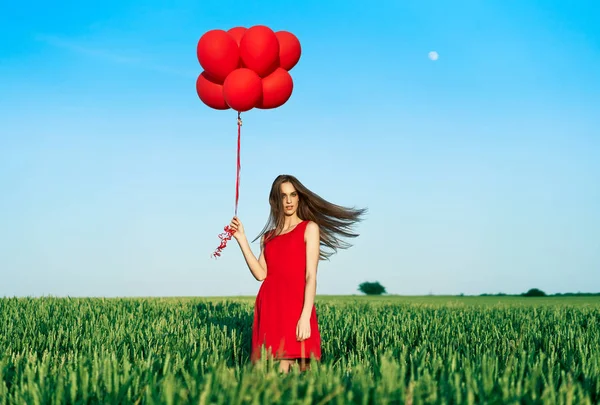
376 350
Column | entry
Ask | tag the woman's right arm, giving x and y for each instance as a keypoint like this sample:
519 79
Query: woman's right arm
258 267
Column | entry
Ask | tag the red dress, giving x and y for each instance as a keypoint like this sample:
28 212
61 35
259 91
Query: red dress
280 300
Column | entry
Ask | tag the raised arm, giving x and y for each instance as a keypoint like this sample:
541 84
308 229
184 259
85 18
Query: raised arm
258 267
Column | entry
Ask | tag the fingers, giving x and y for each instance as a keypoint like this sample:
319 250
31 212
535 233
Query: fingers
302 334
235 223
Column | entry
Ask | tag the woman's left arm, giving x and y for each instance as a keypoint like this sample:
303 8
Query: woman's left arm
312 237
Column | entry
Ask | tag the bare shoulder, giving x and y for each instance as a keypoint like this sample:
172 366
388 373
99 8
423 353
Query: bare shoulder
311 231
312 226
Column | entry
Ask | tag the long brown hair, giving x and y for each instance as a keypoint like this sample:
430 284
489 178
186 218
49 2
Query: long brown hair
334 220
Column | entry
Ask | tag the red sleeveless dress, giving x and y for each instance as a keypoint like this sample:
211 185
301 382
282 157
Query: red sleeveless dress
280 300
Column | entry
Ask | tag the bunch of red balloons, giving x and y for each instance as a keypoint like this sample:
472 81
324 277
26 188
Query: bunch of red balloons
246 67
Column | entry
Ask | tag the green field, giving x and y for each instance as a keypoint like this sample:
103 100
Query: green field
376 350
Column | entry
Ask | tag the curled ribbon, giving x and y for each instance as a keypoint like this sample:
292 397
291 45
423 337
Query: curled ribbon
225 236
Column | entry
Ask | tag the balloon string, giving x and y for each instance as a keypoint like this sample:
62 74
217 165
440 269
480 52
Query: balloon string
237 181
228 234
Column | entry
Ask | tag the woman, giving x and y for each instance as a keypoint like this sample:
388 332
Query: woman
300 224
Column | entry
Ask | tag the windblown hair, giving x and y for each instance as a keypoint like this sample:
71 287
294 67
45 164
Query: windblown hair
335 222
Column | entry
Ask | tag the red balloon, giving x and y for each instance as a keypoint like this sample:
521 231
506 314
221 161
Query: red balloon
276 89
242 89
210 93
218 53
289 49
237 33
259 50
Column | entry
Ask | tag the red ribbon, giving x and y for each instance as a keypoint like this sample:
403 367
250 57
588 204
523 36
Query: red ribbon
228 234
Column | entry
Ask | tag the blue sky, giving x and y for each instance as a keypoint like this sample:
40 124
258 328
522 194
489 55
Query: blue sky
481 170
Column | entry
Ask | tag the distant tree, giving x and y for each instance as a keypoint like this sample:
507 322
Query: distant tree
534 292
371 288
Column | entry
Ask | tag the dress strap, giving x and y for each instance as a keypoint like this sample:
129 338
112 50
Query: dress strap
302 227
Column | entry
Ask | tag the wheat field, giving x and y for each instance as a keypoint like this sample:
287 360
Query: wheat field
376 350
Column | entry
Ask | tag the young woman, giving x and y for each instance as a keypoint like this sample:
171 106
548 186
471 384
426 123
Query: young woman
300 225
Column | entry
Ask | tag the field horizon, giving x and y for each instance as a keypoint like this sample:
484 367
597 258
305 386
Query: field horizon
561 298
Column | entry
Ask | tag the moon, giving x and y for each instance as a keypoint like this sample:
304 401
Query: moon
433 55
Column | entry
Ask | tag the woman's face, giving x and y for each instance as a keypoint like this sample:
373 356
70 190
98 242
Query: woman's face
289 198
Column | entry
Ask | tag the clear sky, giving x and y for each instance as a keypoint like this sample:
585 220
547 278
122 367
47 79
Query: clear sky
480 170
